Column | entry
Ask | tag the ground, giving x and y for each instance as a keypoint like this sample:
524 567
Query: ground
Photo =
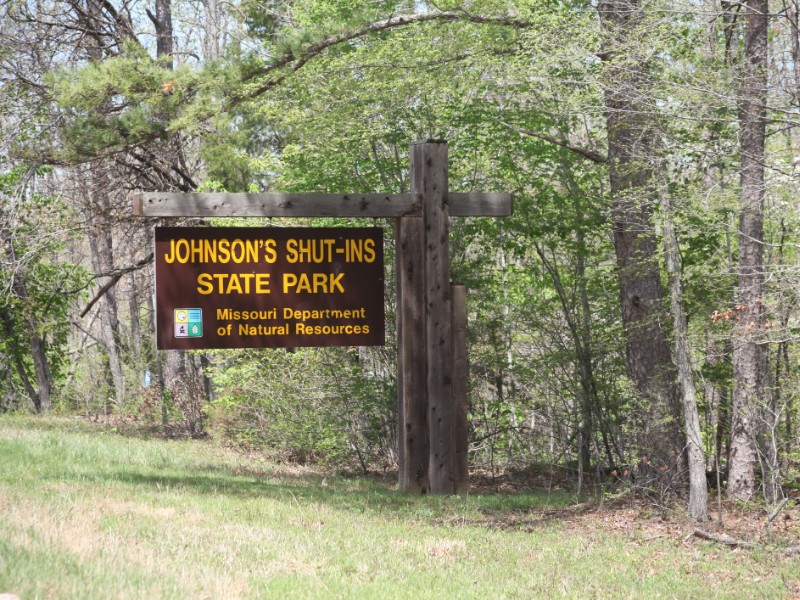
92 510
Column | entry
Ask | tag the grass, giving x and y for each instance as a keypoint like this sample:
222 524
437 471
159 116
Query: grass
86 513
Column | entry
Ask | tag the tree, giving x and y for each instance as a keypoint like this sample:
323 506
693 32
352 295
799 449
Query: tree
632 134
749 350
34 305
698 493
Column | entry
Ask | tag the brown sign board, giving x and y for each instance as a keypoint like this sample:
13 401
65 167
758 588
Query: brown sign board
268 287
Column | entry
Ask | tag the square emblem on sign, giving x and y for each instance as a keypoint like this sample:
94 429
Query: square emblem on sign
188 322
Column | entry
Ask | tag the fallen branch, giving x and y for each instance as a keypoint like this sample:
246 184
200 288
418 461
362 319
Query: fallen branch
775 512
723 539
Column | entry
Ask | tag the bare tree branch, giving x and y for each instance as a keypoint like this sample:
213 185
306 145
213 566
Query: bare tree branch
585 152
117 275
296 61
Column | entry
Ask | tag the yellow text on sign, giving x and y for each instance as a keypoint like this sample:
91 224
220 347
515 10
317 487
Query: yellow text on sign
315 283
327 250
221 251
233 283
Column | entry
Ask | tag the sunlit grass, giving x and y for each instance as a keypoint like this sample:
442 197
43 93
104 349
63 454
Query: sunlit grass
87 514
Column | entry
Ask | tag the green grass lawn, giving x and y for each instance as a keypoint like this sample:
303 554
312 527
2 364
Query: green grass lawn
91 514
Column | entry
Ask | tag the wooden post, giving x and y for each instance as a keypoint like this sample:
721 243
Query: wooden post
429 180
431 332
412 403
460 379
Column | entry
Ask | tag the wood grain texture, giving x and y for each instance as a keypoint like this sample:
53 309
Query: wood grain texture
179 204
412 394
460 378
429 178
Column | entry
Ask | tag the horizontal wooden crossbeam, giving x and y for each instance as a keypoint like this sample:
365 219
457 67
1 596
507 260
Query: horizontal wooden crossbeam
175 204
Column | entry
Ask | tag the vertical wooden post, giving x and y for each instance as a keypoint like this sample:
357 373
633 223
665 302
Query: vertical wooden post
412 397
460 379
429 179
431 406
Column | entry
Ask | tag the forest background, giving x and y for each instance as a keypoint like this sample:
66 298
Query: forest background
637 314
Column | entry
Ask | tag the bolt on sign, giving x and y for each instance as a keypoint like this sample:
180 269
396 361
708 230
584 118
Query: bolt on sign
256 287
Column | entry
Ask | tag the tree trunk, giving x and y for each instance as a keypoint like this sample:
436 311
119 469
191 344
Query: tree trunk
33 394
100 242
589 399
793 16
788 430
44 379
718 401
163 24
7 396
100 233
176 376
748 333
631 134
212 30
136 322
698 492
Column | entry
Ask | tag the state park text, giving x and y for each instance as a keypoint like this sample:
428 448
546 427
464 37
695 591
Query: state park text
251 287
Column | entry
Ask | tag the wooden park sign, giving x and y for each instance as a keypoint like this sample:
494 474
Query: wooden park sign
431 311
268 287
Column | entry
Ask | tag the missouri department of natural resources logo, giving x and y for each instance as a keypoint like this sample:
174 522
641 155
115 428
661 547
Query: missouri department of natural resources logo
188 322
